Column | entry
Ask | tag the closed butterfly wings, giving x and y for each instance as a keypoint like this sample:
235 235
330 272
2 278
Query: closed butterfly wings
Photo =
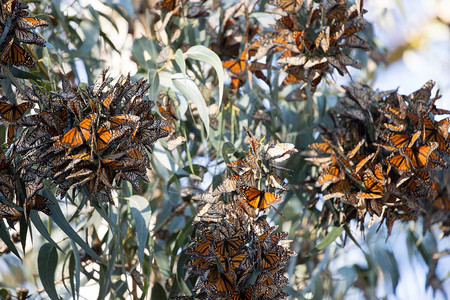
9 213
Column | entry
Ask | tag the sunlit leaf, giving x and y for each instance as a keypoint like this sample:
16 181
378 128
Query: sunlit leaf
190 90
202 53
140 210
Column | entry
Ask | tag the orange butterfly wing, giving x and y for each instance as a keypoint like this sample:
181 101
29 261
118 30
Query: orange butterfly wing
259 199
77 135
17 56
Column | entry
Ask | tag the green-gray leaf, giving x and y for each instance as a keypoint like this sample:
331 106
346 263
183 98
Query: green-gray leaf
190 90
329 238
202 53
140 210
47 261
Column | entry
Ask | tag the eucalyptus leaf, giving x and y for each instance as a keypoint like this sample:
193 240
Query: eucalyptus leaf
34 216
179 59
327 240
140 210
190 90
47 262
200 52
58 217
76 256
4 236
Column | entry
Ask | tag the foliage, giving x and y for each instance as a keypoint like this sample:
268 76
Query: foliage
130 173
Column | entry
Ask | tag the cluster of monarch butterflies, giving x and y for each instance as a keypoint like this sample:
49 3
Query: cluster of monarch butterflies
14 205
309 39
243 187
16 26
238 258
237 255
384 156
309 49
87 139
316 46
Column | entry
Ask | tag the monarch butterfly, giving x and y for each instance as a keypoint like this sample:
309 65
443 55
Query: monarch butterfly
199 265
11 112
138 153
378 174
323 147
143 109
248 294
16 55
26 36
236 83
288 5
237 67
401 140
77 135
201 247
259 199
395 127
363 162
33 184
271 240
30 23
254 143
374 190
7 186
272 259
279 152
329 175
243 165
39 203
400 162
274 181
338 190
222 282
104 137
287 23
418 157
87 173
9 213
436 133
167 112
270 277
230 246
168 5
228 185
13 8
208 198
336 11
242 261
356 42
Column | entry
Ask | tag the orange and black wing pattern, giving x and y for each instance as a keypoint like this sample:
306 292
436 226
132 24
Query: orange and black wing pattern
77 135
15 55
259 199
11 112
